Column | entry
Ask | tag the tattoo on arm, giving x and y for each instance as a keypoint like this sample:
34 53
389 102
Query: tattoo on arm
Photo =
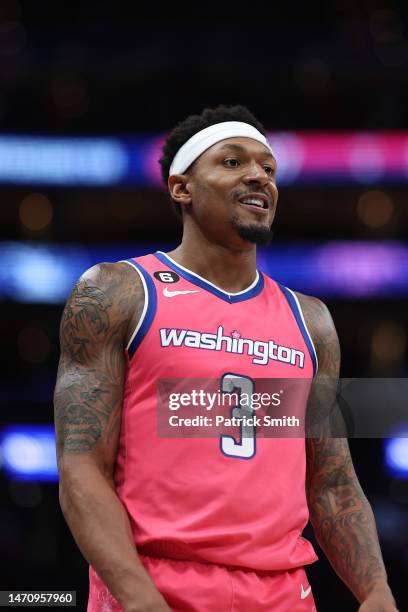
90 377
341 516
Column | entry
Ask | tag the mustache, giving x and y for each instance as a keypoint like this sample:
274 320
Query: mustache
238 193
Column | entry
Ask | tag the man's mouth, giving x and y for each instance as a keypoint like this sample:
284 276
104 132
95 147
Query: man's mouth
256 200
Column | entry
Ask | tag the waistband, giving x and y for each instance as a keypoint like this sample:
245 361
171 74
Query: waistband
179 553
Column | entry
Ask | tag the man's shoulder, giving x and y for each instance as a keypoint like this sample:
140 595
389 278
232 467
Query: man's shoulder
320 325
112 277
114 287
314 310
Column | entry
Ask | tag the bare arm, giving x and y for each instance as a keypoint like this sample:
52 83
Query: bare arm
340 513
97 320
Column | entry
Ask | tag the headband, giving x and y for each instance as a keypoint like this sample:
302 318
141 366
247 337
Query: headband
203 140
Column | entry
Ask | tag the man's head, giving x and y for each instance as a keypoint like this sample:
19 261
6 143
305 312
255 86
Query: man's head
220 173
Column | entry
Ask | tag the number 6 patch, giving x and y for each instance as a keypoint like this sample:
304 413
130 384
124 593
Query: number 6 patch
167 276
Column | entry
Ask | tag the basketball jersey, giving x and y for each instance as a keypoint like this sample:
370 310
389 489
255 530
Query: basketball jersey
215 498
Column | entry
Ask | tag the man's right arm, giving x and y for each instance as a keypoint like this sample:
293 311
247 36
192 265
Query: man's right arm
96 324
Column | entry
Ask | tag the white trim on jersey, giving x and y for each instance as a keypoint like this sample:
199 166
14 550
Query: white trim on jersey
306 327
204 280
146 301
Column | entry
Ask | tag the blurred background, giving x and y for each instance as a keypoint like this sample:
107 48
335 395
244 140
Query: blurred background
87 93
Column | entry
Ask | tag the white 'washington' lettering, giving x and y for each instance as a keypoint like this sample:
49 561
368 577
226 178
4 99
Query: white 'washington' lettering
261 351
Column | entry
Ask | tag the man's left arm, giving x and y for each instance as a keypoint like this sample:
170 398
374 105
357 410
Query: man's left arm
340 513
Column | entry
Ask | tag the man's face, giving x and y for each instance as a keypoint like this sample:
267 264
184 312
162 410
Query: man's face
233 191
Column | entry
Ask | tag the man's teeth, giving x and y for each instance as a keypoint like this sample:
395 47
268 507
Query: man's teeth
254 202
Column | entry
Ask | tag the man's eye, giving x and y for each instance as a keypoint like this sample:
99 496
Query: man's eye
269 170
231 162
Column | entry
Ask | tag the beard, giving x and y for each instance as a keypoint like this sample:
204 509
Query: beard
254 232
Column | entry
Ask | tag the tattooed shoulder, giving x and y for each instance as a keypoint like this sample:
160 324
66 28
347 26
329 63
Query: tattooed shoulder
321 327
105 295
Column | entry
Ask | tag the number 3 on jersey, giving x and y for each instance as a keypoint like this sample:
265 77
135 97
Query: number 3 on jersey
246 447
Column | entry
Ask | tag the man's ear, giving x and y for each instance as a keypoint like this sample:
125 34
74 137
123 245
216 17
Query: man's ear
179 188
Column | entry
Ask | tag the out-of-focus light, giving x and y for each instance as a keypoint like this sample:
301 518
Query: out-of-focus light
149 159
33 345
62 161
46 273
358 269
366 159
288 149
35 212
375 208
39 272
388 345
304 157
391 520
396 456
29 452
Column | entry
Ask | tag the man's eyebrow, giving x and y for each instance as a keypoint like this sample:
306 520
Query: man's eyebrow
241 149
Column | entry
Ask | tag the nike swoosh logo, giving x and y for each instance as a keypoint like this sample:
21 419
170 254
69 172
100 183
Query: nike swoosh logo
303 593
168 293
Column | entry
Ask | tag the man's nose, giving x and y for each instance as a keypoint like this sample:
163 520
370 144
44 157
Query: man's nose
257 173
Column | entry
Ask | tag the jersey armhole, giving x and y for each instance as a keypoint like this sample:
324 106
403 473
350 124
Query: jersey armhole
296 308
149 307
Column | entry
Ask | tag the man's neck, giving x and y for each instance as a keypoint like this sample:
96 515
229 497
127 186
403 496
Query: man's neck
232 270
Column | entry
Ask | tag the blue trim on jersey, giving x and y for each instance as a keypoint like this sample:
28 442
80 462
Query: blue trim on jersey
224 295
150 312
294 307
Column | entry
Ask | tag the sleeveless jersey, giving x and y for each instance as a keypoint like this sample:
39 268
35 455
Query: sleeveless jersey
217 498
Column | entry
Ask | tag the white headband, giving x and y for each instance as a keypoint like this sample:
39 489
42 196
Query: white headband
203 140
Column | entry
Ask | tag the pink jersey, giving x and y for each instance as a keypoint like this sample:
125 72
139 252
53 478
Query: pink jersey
213 498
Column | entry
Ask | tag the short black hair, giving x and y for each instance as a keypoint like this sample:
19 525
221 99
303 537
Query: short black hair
195 123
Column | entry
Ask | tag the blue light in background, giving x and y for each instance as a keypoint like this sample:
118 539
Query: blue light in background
62 161
28 452
396 456
304 158
46 273
36 273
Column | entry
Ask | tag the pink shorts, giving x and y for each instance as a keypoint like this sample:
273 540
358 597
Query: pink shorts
189 586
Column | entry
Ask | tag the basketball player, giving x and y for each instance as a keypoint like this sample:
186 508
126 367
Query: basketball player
204 523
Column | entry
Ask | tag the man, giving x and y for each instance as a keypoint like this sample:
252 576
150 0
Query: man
204 523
